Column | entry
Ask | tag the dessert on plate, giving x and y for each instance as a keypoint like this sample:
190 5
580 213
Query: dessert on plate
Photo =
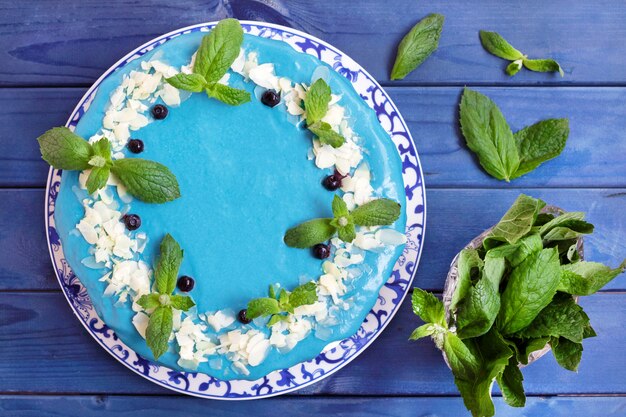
231 205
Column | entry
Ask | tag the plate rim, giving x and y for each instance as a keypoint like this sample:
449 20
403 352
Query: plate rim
344 362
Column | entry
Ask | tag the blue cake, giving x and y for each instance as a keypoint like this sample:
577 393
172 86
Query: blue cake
247 174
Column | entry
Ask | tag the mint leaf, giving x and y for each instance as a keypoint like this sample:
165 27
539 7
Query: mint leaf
498 46
168 264
283 301
424 330
159 330
346 233
428 307
510 382
188 82
316 101
586 278
148 301
63 149
379 212
417 45
262 307
562 317
309 233
326 134
515 254
516 222
276 318
218 50
514 67
272 291
339 207
149 181
228 95
97 179
469 266
539 143
530 288
476 312
543 65
305 294
527 346
102 148
181 302
567 353
488 135
566 226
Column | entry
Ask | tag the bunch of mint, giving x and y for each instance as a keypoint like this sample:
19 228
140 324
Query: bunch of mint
513 296
280 307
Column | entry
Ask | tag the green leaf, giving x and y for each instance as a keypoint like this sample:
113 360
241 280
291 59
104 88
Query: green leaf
188 82
339 207
276 318
159 330
168 264
63 149
517 253
148 301
498 46
283 301
262 307
379 212
228 95
102 148
563 233
272 291
469 261
305 294
181 302
572 253
516 222
569 219
309 233
428 307
326 134
424 330
347 233
316 101
543 65
562 317
417 45
514 67
218 50
511 384
539 143
476 312
567 353
530 288
97 179
488 135
463 362
586 278
494 271
149 181
527 346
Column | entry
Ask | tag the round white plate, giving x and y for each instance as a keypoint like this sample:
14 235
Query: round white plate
341 353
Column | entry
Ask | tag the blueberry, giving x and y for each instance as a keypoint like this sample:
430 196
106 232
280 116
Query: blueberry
243 316
321 251
332 182
270 98
159 111
185 283
132 221
135 145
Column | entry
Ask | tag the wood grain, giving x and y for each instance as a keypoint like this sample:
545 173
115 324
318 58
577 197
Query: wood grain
60 43
593 157
48 345
454 217
124 406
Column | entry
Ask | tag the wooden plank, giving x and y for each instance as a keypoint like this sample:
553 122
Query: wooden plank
46 344
454 217
594 155
127 406
53 43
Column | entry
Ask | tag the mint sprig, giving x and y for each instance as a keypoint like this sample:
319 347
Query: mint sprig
501 153
498 46
380 212
280 308
160 323
149 181
316 103
217 52
417 45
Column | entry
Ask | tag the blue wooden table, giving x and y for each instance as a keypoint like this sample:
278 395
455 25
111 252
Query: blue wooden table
51 51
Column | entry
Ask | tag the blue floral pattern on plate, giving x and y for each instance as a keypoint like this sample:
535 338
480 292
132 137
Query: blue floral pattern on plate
337 354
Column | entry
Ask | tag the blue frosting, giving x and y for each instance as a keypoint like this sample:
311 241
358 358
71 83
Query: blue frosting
245 179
